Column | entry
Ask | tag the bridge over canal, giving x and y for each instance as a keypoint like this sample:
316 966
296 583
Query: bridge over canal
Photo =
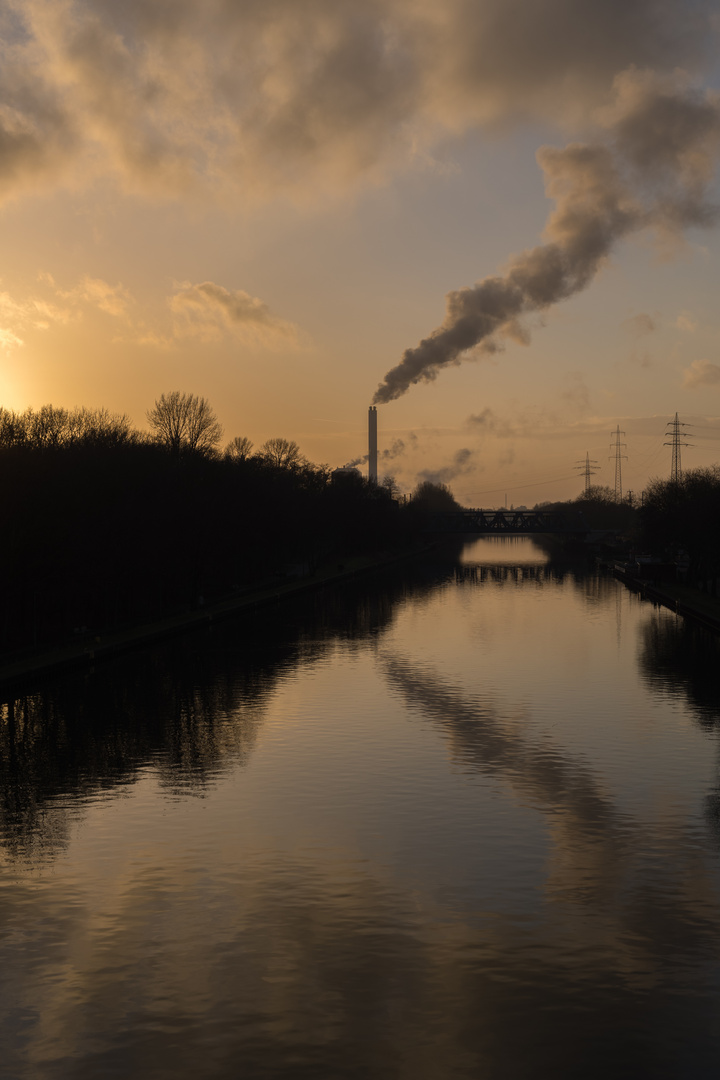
510 523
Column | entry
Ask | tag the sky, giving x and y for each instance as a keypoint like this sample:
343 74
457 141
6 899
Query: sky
496 218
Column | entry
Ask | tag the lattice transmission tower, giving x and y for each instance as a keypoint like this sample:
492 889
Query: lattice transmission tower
587 469
617 446
676 442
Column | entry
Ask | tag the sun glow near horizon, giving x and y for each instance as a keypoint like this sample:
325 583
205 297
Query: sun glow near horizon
276 235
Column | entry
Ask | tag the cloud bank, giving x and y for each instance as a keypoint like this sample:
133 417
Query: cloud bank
205 310
262 96
57 307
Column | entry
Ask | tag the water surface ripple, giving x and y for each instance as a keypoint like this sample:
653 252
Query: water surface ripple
460 822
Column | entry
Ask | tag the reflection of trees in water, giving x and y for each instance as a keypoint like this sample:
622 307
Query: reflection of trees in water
517 573
191 708
557 570
682 660
175 707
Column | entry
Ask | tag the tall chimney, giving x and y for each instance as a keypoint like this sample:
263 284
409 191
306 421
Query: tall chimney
372 443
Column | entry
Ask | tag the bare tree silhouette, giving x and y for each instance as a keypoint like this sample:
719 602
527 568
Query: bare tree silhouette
184 421
283 453
239 448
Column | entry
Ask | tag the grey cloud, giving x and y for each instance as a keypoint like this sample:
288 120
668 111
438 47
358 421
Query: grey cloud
485 421
577 394
39 138
488 422
640 325
276 95
603 192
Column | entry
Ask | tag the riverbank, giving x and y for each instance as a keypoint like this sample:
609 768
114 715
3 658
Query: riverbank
690 603
20 667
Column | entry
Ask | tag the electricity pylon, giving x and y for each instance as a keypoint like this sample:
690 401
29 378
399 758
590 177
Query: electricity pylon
676 443
617 446
586 467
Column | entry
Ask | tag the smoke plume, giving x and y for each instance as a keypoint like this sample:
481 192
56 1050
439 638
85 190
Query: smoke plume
397 449
652 169
461 464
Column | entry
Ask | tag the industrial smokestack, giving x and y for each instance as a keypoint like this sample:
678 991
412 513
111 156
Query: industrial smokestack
372 443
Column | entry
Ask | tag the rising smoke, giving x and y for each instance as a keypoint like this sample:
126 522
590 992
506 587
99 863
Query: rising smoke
462 463
396 449
651 170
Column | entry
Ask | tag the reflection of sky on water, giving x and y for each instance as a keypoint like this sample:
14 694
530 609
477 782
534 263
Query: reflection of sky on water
503 551
381 842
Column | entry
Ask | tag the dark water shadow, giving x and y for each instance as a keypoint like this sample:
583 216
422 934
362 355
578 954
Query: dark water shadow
679 658
191 707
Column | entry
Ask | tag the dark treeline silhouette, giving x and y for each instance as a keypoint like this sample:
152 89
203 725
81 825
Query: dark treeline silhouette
600 509
684 516
104 525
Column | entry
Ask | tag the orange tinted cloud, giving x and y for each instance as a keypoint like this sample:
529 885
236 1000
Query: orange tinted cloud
209 310
270 96
702 373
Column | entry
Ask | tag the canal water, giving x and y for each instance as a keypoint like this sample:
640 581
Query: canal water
459 822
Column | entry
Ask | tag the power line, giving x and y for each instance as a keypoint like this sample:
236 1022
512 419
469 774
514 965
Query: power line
520 486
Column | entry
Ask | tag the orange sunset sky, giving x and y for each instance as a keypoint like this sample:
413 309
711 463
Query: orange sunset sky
266 202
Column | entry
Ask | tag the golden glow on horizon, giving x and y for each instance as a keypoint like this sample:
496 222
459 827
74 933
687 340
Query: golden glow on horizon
273 235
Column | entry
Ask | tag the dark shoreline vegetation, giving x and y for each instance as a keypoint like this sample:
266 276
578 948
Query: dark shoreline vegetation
676 520
107 527
674 533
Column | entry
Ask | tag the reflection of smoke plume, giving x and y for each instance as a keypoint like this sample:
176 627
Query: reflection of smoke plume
652 172
598 851
461 463
398 447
